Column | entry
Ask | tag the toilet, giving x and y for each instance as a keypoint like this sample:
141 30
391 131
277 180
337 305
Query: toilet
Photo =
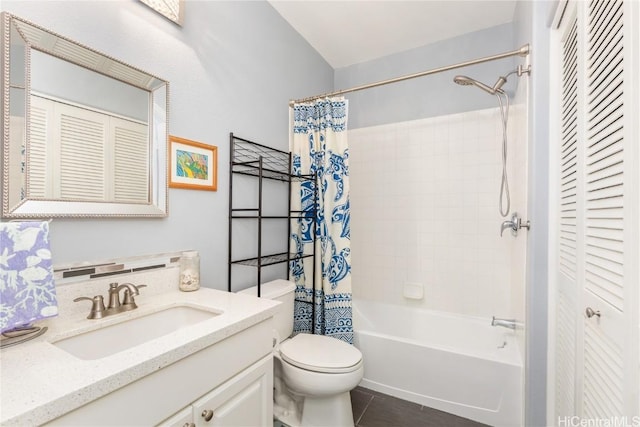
313 374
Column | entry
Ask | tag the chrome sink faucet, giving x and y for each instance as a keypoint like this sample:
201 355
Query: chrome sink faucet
98 310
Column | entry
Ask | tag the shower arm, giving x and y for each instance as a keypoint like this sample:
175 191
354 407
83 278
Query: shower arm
519 71
523 51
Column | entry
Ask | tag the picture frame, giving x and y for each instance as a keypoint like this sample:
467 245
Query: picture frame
192 165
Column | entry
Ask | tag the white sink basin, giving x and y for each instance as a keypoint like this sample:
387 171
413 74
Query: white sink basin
112 339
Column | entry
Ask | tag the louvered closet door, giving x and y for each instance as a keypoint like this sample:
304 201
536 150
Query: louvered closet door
608 368
597 247
569 204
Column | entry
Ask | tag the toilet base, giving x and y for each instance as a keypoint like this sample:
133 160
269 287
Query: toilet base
334 411
286 405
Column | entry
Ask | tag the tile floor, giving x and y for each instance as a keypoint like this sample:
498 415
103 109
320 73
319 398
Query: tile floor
373 409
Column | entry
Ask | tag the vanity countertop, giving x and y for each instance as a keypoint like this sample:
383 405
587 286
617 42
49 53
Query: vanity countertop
39 381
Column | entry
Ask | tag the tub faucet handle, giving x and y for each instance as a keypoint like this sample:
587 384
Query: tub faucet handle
515 224
505 225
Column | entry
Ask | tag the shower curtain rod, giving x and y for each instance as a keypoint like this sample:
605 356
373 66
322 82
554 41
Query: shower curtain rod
523 51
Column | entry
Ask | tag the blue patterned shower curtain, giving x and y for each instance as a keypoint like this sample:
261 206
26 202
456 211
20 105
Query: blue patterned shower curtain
319 148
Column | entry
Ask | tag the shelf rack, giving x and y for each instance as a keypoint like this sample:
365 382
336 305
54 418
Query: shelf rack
264 163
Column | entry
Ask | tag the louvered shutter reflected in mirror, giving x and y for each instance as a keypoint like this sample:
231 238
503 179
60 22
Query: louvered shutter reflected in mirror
86 155
38 166
81 168
131 176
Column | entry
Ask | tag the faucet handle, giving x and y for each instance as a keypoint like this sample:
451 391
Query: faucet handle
128 299
97 306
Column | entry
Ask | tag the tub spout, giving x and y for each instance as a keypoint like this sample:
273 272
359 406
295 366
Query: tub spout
505 323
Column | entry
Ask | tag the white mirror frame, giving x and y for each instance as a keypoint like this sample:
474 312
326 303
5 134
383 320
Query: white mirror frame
15 206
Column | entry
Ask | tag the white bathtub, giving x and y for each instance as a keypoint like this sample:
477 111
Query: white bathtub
461 365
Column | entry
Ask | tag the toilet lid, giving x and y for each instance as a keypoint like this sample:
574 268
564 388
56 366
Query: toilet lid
320 353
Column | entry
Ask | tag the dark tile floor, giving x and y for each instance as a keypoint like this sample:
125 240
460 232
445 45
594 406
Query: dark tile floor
373 409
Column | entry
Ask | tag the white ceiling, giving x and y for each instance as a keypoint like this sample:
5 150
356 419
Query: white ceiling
350 32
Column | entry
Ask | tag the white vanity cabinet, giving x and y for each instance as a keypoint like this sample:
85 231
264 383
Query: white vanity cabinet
244 400
232 378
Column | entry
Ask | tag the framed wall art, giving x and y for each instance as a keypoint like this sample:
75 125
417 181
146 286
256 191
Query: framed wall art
192 164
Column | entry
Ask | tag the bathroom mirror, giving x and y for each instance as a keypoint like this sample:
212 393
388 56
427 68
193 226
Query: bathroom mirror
84 134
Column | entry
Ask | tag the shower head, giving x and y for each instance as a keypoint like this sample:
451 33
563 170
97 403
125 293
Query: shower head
463 80
468 81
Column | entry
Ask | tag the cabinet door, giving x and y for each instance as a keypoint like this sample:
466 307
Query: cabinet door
244 400
184 418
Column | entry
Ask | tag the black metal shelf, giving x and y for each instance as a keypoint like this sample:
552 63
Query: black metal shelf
256 160
256 217
251 158
253 214
272 259
253 169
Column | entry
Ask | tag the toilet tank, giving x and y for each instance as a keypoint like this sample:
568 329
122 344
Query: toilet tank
283 291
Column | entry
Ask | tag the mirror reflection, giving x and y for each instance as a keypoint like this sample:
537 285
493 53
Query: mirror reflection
87 133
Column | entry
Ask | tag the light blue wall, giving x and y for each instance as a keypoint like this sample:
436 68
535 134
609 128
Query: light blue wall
233 66
432 95
531 23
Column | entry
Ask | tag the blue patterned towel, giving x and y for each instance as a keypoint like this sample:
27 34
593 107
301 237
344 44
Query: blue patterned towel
27 289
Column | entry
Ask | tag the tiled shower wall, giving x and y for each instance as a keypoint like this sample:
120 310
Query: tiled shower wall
424 197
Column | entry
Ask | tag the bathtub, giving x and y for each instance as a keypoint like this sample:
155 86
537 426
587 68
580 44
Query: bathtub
461 365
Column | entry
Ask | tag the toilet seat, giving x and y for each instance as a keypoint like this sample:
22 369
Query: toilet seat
321 354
